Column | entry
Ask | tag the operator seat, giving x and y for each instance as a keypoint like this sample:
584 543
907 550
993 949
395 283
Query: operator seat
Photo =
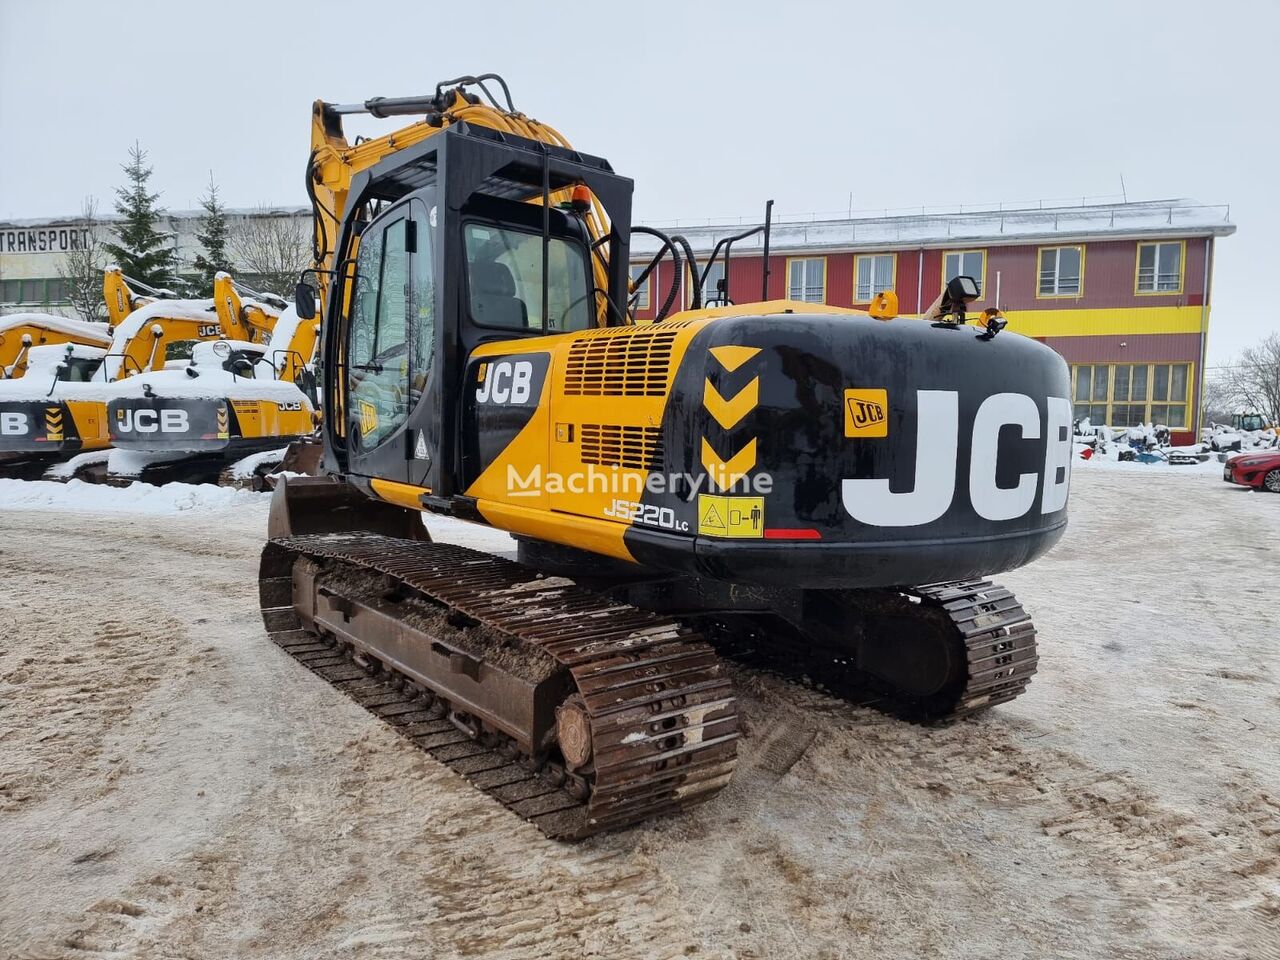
493 296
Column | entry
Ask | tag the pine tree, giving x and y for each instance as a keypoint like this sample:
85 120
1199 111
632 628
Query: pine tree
143 252
213 236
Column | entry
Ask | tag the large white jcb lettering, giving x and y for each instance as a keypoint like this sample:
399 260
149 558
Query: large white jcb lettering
938 429
937 438
998 411
13 424
507 382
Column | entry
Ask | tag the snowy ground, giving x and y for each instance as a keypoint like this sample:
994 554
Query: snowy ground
173 785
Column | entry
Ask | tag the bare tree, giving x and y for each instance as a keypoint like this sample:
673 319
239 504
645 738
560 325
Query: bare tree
81 268
1254 379
274 246
1218 400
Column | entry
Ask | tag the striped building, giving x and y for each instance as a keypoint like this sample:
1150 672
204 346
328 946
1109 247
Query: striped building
1122 290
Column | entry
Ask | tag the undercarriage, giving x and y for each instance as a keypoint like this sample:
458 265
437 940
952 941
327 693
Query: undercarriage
585 696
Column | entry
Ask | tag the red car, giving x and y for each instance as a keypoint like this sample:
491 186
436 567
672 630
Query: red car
1259 470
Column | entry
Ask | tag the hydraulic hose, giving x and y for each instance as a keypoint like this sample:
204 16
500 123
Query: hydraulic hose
667 246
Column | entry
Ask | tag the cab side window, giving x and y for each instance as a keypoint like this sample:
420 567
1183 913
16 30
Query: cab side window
378 351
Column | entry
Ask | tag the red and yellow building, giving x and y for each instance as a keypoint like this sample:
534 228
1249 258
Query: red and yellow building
1122 291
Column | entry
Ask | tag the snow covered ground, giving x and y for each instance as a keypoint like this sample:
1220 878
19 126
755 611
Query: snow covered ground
173 785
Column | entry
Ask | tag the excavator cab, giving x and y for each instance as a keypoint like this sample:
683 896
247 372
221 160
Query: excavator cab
456 256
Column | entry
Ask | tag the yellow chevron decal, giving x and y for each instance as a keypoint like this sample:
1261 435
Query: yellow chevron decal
725 473
731 358
729 412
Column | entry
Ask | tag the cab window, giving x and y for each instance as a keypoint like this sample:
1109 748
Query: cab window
379 357
504 279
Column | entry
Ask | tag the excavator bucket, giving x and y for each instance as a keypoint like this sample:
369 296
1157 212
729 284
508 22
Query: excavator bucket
303 456
301 506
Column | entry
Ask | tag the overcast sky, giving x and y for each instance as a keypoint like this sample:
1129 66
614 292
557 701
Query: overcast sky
711 108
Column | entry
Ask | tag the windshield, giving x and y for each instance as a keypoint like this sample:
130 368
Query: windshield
79 369
504 275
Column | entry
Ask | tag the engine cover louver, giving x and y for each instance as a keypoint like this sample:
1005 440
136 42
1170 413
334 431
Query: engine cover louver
609 444
620 362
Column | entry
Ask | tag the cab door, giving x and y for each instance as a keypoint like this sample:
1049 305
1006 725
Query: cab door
378 349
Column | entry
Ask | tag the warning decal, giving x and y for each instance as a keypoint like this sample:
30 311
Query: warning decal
741 517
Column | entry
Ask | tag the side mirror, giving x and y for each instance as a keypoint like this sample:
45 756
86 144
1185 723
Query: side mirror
304 301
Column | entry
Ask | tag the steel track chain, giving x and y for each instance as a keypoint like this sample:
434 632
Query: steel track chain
663 721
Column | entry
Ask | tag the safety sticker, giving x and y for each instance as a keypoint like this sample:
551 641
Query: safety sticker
866 413
741 517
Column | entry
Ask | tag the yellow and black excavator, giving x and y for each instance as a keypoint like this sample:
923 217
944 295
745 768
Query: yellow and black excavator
21 332
227 415
58 410
811 490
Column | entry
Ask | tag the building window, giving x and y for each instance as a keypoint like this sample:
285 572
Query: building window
807 279
32 291
1169 383
711 295
11 291
1160 267
874 275
1130 394
965 263
641 292
56 291
1061 272
1091 392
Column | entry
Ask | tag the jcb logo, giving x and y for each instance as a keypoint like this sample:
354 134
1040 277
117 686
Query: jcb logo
871 501
13 424
368 417
506 381
290 405
152 421
866 413
208 330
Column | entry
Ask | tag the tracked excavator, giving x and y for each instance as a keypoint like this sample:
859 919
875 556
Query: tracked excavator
20 332
804 489
57 411
231 411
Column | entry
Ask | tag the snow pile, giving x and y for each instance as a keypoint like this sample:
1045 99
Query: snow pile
1217 436
42 375
246 467
76 495
210 382
67 468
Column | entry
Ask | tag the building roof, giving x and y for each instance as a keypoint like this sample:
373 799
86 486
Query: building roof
110 217
1028 225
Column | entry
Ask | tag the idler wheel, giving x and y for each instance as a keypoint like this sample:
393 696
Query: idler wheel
573 730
